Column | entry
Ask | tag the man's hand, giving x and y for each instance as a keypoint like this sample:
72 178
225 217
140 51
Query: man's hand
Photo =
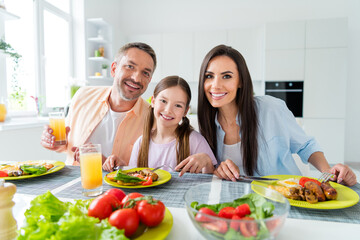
48 139
227 170
111 162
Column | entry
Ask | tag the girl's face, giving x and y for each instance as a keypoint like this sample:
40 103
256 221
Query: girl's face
170 106
221 81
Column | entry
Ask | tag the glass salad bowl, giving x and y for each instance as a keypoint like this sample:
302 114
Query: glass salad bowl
232 210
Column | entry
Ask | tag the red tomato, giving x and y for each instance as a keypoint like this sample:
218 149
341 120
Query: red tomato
148 181
303 180
126 219
102 206
201 218
242 210
218 226
248 229
234 224
151 214
130 196
3 174
119 194
227 212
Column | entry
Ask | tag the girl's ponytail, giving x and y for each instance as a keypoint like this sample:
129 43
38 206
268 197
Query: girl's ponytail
183 132
144 147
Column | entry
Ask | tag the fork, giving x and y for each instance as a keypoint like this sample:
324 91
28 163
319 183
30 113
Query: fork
164 165
325 176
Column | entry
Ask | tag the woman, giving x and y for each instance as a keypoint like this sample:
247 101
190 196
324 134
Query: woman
252 135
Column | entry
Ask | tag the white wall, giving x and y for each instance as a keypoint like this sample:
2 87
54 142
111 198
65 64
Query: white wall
138 17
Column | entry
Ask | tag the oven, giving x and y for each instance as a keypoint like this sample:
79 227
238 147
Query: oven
291 92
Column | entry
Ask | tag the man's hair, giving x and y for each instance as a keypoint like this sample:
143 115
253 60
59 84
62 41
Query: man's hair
139 45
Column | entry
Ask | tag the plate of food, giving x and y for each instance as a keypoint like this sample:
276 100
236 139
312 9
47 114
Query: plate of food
137 178
307 192
29 169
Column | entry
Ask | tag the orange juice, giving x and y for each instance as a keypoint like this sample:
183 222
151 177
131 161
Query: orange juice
91 170
57 123
2 112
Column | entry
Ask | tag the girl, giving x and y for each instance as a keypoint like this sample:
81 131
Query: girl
167 141
252 135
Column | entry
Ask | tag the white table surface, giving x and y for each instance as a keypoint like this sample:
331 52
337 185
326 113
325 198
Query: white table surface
183 228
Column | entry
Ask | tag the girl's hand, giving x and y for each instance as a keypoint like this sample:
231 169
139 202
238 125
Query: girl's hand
111 162
227 170
195 164
343 174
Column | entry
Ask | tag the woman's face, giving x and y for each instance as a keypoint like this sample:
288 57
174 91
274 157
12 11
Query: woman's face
170 106
221 81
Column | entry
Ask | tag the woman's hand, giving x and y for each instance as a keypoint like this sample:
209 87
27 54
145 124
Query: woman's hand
343 174
111 162
200 162
227 170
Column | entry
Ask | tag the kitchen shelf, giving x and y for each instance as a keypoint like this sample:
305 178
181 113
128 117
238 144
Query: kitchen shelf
99 59
5 15
97 39
101 77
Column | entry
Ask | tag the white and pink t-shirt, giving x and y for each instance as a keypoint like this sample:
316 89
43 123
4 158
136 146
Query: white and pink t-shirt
160 154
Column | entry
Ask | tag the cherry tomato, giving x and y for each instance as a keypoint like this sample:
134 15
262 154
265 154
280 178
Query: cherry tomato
126 219
201 218
227 212
130 196
119 194
235 224
303 180
242 210
218 226
151 214
3 174
149 181
248 229
102 206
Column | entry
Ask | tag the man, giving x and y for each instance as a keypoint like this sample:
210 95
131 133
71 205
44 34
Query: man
110 116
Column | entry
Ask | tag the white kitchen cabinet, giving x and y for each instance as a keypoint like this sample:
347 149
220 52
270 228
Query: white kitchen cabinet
284 65
203 43
98 35
178 57
325 83
250 43
330 134
155 41
326 33
285 35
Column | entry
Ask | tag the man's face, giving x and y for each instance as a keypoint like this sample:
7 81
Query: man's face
132 73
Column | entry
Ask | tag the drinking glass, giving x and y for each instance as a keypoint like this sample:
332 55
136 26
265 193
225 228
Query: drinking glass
91 169
2 110
57 123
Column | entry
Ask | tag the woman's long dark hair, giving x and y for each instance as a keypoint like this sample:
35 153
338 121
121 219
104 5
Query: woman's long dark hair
246 109
182 132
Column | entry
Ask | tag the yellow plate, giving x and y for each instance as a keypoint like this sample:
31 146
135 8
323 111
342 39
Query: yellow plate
346 196
58 165
159 232
164 177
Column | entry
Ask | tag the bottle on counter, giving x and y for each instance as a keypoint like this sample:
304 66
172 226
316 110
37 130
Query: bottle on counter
8 225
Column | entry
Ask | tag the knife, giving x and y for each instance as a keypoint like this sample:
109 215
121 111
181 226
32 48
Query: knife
243 177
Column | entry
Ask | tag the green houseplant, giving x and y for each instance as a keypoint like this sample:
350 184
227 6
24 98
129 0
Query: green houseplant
104 69
17 95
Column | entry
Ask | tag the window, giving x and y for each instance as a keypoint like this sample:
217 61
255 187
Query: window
43 36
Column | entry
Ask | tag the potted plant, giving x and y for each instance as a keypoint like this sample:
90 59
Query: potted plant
104 70
18 94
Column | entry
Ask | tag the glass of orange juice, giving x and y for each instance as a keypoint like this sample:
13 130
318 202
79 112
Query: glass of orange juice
57 124
2 110
91 169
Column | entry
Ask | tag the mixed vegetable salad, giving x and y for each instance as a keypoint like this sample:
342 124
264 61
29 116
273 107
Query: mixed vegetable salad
250 207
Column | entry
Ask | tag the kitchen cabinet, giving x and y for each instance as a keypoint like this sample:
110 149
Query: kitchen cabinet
330 134
99 51
285 35
177 49
250 43
284 65
326 33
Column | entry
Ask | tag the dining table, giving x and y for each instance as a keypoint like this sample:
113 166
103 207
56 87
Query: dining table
301 223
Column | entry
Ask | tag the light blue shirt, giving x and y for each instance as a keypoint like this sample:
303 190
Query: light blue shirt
279 137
